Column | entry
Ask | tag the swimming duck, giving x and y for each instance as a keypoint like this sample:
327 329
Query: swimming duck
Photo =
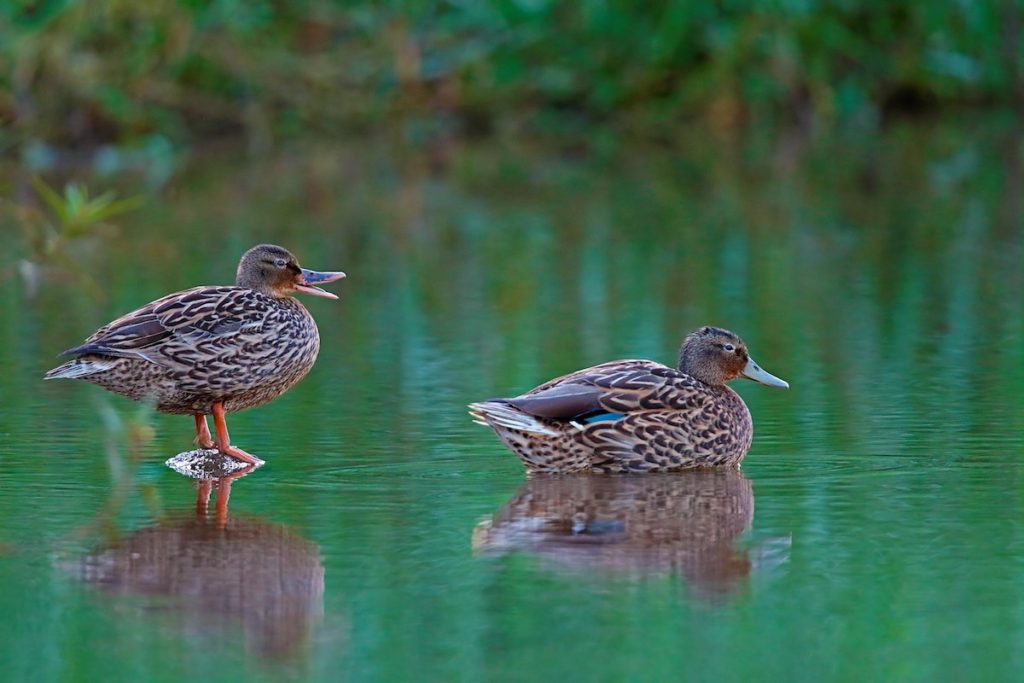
211 350
635 415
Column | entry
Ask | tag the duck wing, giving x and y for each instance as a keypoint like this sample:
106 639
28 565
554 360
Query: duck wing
659 440
183 319
624 387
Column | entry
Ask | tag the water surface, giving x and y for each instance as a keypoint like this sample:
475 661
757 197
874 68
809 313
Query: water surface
876 530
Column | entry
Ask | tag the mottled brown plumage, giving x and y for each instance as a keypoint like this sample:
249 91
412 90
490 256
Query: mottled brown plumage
210 349
635 415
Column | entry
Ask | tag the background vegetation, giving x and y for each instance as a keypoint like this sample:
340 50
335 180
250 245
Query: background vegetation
87 71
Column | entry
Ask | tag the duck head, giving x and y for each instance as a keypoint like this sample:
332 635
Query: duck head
274 271
715 356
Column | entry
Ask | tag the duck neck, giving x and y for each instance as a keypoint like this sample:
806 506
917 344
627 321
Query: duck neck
697 365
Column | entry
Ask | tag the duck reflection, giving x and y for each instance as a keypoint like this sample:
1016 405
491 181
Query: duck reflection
220 571
212 470
638 526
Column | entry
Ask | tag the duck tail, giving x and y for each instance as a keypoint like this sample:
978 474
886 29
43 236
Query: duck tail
499 415
79 367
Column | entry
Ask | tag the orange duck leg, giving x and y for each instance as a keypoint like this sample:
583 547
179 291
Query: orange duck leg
223 441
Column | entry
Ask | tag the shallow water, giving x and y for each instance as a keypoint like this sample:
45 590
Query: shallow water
876 530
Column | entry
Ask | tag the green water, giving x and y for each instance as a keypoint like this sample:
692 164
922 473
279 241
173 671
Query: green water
876 531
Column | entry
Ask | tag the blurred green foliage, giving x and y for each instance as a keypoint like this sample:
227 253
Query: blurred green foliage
87 70
50 232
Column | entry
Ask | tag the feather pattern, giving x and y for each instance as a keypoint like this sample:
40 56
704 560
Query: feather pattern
211 350
668 421
635 415
187 350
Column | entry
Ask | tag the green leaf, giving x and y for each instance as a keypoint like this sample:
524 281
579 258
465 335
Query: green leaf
50 196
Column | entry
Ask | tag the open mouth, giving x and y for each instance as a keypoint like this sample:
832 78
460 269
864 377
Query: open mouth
311 278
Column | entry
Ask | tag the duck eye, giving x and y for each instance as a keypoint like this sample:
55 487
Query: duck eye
280 263
728 347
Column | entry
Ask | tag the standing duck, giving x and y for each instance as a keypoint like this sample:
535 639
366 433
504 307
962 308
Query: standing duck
635 415
211 350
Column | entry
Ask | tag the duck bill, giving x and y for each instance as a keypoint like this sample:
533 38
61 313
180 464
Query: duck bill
311 278
753 371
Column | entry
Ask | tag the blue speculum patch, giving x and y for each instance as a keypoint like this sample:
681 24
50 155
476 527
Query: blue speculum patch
601 417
